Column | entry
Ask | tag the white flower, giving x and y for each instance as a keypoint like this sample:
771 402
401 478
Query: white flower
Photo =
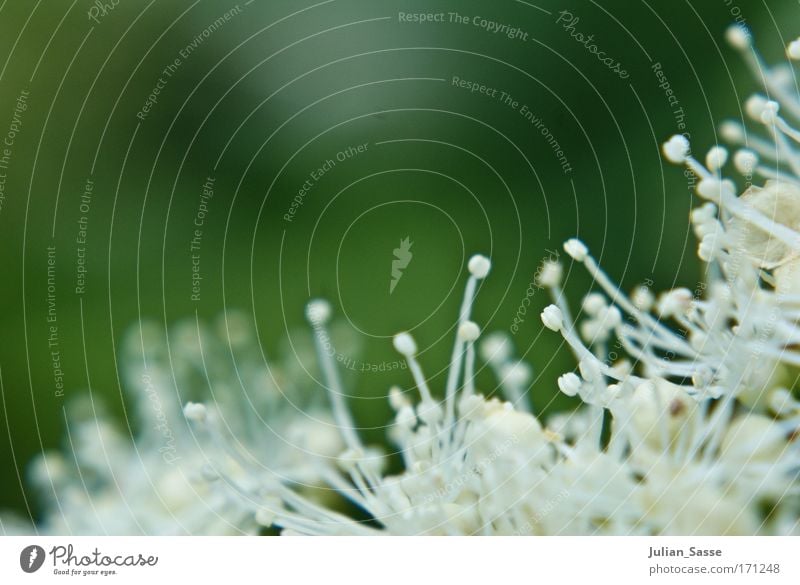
466 457
674 461
693 431
681 424
693 434
163 477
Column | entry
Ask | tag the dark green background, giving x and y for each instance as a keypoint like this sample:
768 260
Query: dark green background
468 174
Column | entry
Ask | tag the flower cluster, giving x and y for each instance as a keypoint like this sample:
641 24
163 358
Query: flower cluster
694 431
656 452
162 477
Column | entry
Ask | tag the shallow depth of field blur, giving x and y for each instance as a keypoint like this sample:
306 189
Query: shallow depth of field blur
373 119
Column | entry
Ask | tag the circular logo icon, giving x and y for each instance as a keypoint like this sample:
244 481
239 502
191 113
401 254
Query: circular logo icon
31 558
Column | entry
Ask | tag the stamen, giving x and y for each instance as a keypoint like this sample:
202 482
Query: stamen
318 313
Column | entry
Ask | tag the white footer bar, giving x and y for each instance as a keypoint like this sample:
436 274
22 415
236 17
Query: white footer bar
355 561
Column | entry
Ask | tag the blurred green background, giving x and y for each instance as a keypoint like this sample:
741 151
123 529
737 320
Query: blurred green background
274 91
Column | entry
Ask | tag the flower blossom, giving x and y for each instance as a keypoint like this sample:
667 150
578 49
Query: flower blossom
694 432
156 479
